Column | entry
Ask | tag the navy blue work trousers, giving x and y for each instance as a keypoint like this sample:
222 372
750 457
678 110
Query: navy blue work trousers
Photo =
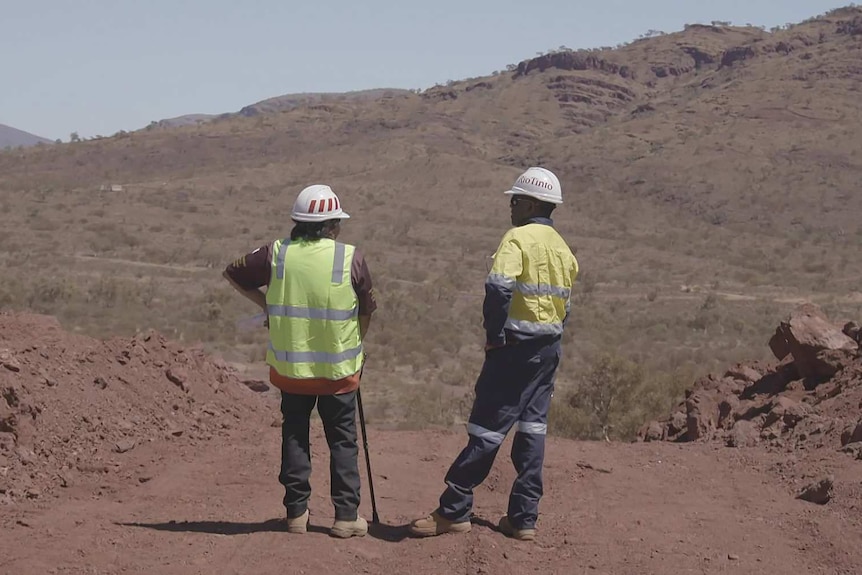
513 390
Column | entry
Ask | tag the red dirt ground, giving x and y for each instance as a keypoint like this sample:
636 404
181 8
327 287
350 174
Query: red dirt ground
133 473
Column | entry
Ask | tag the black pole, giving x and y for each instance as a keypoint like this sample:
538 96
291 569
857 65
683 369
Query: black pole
374 517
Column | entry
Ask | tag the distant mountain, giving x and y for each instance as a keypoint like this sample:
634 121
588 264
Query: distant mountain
12 138
284 103
290 101
187 120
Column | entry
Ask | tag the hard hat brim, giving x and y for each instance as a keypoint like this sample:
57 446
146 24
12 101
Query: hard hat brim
518 192
319 217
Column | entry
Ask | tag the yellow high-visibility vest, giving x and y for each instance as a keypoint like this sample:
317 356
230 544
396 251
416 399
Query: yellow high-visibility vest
313 310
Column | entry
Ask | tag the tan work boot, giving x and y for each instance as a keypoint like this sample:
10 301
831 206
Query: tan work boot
436 525
345 529
506 528
298 524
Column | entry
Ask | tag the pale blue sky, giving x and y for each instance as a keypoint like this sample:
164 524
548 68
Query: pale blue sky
99 66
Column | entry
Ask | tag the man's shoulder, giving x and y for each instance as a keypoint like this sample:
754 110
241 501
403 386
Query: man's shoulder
512 233
530 233
358 254
540 234
263 252
358 263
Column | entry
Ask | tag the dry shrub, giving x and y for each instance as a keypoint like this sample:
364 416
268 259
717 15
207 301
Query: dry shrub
613 399
46 296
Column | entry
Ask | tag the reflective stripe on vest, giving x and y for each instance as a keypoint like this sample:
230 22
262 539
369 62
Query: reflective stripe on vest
310 312
314 356
313 311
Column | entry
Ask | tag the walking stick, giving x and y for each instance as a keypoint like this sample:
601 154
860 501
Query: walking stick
374 517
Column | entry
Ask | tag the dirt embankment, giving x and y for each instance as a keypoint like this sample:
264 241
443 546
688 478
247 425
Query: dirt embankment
73 408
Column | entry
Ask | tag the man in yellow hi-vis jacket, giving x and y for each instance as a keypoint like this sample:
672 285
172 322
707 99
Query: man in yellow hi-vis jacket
527 301
318 300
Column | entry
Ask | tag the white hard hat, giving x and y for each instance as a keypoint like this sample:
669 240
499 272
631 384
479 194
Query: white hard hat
317 203
538 183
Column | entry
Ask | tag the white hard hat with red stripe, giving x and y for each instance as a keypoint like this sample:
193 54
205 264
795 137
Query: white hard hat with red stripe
317 203
538 183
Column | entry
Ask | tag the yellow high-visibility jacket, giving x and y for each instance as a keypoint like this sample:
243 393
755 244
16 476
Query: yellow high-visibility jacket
528 291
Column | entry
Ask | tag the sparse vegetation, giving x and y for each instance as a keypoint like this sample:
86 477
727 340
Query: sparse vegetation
699 221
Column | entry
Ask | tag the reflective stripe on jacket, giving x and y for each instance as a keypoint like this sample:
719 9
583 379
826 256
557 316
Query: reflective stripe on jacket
528 291
313 310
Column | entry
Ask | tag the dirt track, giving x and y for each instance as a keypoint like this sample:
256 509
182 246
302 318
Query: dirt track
618 508
127 262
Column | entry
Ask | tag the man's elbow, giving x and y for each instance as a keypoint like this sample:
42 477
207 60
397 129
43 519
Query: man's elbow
232 282
226 275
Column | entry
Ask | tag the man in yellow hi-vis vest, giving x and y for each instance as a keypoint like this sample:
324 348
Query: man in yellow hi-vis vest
527 301
318 300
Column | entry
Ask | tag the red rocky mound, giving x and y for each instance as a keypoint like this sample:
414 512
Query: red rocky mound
809 399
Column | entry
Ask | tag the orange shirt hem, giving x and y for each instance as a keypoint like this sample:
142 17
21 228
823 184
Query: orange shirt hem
315 386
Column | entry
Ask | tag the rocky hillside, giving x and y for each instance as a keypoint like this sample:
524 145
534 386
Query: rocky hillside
709 178
720 122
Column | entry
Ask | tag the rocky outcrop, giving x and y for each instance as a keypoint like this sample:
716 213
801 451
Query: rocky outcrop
804 399
587 101
809 337
580 60
852 27
701 56
737 54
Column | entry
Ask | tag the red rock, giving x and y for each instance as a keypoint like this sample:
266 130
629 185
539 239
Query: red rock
124 445
819 492
256 385
652 432
806 333
701 415
744 373
677 424
7 360
852 433
179 376
743 434
851 330
726 409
